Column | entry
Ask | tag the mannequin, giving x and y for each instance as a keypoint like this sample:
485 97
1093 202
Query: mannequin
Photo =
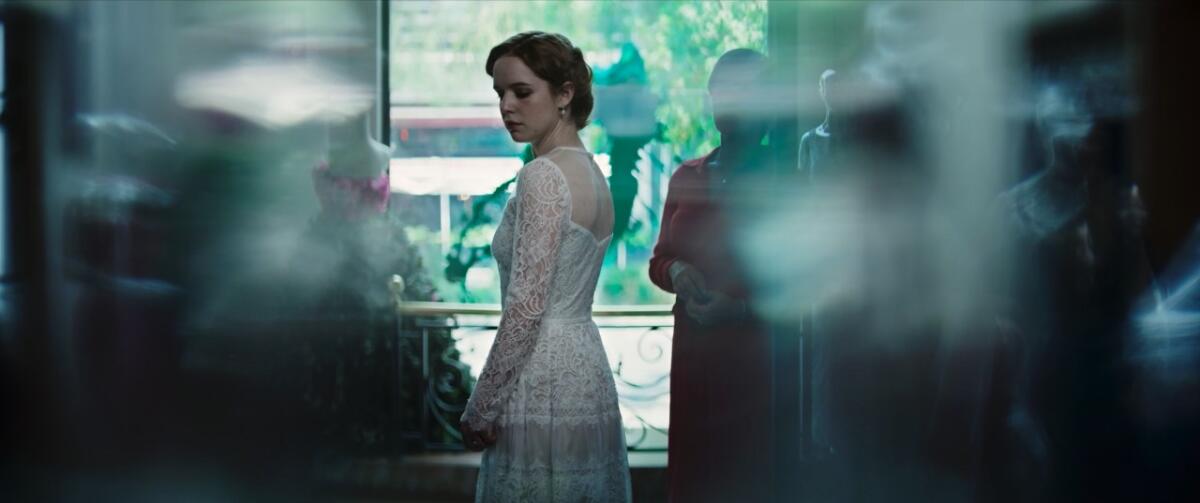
815 144
816 163
353 182
1077 229
1054 198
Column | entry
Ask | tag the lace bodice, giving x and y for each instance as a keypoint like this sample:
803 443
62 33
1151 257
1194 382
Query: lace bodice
549 266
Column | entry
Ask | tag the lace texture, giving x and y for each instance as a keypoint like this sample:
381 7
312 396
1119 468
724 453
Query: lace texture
547 385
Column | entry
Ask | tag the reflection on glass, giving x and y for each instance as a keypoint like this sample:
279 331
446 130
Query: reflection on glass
3 163
956 214
3 203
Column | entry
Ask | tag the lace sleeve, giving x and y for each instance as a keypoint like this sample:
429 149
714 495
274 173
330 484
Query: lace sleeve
542 207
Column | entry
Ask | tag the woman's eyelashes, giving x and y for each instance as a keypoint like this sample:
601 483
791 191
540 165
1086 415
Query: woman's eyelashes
522 94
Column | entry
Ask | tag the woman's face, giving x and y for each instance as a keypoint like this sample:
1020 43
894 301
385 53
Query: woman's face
527 104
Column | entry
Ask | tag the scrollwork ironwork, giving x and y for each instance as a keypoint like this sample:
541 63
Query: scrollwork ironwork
445 373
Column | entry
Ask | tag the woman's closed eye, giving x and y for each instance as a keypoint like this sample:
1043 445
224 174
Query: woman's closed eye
520 94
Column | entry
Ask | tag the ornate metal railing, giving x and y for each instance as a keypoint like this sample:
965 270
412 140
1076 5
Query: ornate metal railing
636 338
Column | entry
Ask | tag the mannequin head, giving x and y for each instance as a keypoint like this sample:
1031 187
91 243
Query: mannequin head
1063 123
826 85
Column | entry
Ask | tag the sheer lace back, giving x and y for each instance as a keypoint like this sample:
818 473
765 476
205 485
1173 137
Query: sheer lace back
591 201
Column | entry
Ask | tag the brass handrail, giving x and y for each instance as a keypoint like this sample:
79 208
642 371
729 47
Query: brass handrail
453 308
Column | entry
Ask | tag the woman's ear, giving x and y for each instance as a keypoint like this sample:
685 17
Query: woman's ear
566 93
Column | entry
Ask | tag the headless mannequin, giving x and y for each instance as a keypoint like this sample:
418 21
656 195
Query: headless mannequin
353 182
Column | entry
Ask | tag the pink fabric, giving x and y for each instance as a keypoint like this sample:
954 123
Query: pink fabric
348 197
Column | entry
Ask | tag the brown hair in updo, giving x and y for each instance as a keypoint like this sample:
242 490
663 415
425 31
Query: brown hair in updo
553 58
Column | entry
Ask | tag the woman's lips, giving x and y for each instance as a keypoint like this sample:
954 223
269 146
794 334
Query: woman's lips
509 125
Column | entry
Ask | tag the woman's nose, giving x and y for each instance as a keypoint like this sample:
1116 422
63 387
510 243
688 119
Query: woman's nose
506 103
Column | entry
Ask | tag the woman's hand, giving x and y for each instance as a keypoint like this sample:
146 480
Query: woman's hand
477 439
716 308
688 282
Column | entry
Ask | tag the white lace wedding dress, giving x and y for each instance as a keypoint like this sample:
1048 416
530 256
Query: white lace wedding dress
547 386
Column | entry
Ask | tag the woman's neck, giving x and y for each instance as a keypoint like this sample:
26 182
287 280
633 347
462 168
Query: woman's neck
564 134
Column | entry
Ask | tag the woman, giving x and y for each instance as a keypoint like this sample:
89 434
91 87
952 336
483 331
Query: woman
545 407
720 365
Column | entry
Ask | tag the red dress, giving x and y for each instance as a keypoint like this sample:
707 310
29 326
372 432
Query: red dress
719 442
